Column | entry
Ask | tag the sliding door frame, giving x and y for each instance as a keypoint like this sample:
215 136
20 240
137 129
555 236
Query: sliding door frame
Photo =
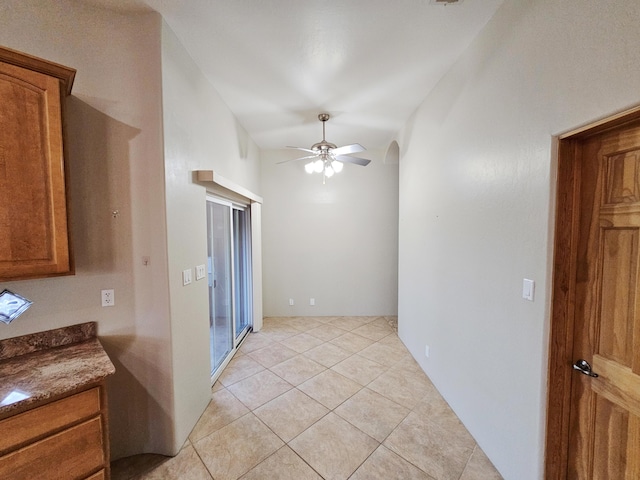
236 339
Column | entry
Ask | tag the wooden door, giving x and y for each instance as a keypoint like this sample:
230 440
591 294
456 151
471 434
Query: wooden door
601 301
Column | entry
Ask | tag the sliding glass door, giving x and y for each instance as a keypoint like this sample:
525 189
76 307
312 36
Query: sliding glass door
242 271
229 269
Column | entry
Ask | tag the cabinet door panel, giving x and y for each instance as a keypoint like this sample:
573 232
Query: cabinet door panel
73 453
33 424
33 216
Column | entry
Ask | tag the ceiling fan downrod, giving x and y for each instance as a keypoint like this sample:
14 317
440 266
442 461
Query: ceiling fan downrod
323 146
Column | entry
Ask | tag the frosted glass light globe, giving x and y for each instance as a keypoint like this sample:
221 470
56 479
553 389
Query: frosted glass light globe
337 166
309 167
318 166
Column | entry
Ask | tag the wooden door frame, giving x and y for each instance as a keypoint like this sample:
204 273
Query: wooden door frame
563 288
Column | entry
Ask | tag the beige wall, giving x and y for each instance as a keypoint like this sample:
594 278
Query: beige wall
115 163
336 242
136 91
477 188
200 133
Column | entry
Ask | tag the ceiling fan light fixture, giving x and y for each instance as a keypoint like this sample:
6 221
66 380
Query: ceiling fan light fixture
309 167
328 171
329 158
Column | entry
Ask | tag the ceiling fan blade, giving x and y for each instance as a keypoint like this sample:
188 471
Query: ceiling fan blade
303 149
348 149
296 159
358 161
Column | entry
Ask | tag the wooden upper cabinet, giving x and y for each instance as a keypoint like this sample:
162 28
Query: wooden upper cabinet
34 235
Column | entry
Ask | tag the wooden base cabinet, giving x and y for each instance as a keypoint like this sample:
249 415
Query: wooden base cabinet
34 234
64 439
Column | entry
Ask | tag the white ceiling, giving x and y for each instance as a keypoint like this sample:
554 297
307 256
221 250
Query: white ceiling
278 63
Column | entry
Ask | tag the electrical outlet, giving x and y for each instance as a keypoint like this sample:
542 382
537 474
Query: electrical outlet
291 302
108 298
312 301
426 351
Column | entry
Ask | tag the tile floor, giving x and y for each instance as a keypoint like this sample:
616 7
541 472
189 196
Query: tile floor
310 398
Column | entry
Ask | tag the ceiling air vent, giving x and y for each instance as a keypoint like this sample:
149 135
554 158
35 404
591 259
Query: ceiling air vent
444 2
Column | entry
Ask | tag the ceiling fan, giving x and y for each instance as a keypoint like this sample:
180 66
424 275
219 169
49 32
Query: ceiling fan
326 157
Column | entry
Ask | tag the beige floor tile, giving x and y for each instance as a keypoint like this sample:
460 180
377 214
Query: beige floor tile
272 354
480 467
223 409
304 324
351 342
186 464
278 332
282 465
273 320
327 354
436 410
235 449
393 322
276 322
324 320
348 323
372 332
330 388
216 386
238 369
302 342
298 369
422 437
333 447
259 389
405 389
254 341
131 467
359 369
326 332
381 322
393 341
372 413
291 413
383 354
427 446
383 464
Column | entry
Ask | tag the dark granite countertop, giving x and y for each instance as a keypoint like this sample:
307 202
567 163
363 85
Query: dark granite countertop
46 365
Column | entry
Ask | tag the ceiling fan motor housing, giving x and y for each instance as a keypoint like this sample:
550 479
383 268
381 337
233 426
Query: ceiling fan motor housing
322 146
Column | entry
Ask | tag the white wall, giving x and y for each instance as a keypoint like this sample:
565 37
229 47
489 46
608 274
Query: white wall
476 201
200 133
115 162
336 242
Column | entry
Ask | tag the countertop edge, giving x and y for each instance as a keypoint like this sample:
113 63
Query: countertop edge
45 375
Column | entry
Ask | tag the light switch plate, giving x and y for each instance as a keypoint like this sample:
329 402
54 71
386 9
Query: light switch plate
186 277
528 288
200 272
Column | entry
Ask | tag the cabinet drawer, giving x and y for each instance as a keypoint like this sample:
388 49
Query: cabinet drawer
71 454
33 424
